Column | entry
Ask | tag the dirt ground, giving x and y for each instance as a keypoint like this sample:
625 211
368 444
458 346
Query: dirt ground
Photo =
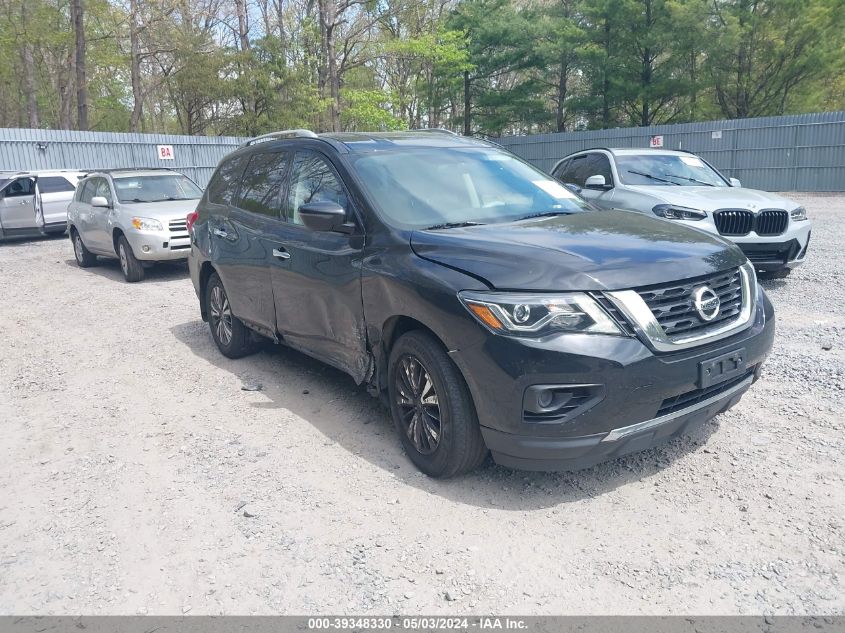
137 476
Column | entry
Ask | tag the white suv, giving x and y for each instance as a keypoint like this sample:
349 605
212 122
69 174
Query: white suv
136 216
772 231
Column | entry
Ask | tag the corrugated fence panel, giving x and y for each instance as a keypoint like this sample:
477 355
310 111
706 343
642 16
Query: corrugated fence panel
195 156
804 152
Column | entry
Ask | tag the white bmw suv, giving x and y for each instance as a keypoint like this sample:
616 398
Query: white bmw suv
772 231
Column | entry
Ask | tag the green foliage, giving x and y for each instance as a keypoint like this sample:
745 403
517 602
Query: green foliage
369 110
511 66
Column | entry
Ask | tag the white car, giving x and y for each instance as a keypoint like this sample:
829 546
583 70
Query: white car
137 216
772 231
34 203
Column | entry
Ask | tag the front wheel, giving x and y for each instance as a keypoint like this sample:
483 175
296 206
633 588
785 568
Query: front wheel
432 408
132 268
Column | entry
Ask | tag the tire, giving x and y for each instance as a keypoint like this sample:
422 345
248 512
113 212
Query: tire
440 448
84 257
232 337
132 268
783 273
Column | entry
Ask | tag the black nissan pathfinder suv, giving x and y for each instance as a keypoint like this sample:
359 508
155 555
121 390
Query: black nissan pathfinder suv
490 306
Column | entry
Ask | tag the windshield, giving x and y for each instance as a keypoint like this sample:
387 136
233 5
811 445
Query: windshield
440 187
156 188
667 170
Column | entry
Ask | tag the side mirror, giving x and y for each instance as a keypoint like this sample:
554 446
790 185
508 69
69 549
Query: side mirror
100 202
324 216
735 182
596 182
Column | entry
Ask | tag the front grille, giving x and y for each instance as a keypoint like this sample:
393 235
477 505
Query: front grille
771 222
691 398
734 221
178 231
672 304
739 222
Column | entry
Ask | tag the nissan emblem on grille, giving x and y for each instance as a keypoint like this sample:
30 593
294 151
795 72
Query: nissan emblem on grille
706 303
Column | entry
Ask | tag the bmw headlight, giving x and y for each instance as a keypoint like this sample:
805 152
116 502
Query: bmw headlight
147 224
534 315
674 212
798 214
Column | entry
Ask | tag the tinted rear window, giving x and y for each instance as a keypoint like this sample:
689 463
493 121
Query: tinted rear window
262 184
54 184
224 183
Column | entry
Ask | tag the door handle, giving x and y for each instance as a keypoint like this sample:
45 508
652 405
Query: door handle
221 233
281 253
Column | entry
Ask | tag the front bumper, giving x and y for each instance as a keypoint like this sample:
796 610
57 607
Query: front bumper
636 385
156 246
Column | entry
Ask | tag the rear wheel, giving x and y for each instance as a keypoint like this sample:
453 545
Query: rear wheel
232 337
432 408
133 269
84 257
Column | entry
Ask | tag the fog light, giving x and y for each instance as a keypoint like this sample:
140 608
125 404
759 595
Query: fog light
545 398
553 404
145 248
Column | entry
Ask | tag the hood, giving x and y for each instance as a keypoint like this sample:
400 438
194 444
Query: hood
604 250
163 211
712 198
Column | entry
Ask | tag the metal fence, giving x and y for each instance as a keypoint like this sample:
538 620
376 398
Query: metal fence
803 152
194 156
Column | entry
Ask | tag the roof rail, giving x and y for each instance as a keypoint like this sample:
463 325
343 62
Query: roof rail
437 130
279 135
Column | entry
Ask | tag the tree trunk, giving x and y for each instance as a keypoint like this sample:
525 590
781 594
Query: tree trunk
605 111
328 75
562 89
135 67
29 89
78 19
467 105
243 24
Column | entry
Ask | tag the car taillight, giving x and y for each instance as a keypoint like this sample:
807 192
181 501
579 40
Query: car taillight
192 217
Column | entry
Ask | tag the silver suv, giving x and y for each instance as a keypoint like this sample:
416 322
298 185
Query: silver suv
136 216
35 203
772 231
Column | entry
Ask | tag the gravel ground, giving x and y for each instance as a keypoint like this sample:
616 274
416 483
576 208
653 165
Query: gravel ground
138 476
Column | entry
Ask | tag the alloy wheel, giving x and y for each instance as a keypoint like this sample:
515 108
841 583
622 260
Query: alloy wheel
419 405
77 248
124 262
221 315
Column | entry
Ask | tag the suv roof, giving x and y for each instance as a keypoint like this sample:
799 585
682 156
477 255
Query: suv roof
131 172
621 151
369 141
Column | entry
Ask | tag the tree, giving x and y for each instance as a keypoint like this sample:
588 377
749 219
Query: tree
767 49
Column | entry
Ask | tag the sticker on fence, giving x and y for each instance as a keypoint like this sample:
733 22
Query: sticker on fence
657 141
165 152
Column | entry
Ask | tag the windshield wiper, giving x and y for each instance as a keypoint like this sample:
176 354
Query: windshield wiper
452 225
687 178
545 214
653 177
135 200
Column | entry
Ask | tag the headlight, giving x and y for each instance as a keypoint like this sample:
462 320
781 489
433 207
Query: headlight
798 214
674 212
146 224
518 314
